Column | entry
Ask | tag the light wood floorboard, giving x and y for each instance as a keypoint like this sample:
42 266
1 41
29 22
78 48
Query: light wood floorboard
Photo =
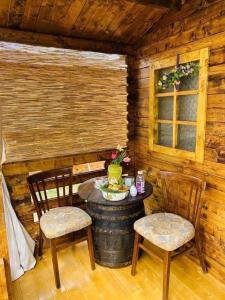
80 283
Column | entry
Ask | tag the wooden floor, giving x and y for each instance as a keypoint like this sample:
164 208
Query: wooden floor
79 282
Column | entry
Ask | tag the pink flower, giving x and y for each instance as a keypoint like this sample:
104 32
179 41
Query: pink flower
126 159
114 155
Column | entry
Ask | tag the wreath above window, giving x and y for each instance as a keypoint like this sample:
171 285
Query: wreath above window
174 77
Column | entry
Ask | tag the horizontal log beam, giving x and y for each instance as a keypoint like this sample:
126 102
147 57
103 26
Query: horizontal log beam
173 4
47 40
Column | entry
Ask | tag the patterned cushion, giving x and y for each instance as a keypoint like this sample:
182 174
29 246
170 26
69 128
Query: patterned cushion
165 230
62 220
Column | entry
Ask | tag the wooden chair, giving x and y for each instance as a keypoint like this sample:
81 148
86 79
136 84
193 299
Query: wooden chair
176 230
64 218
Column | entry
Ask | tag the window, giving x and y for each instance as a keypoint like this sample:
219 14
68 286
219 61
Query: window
177 116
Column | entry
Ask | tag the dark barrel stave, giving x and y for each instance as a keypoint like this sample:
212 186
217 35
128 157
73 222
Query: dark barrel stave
113 232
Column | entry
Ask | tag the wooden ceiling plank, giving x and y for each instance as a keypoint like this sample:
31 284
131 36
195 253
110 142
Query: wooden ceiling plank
16 12
47 40
90 24
69 12
145 23
44 19
127 22
113 12
31 13
101 18
172 4
4 12
124 8
86 16
134 29
59 12
108 17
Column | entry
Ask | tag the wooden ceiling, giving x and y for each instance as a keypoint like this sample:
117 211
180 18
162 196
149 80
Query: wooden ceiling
121 21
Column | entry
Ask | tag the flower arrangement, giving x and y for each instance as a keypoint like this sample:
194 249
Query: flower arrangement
174 77
119 156
115 168
114 188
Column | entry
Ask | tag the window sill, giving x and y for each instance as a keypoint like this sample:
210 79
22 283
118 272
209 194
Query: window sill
183 154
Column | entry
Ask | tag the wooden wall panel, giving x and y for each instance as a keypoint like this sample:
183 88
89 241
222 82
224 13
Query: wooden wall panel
199 24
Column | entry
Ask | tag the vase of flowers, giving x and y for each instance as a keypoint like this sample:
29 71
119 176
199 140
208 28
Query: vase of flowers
115 168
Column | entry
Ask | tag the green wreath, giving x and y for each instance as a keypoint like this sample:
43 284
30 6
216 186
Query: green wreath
173 78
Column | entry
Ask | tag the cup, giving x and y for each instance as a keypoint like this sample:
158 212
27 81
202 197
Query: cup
129 181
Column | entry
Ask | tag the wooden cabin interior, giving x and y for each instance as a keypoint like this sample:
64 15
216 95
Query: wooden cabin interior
78 78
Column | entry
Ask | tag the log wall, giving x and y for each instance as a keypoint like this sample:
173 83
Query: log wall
200 24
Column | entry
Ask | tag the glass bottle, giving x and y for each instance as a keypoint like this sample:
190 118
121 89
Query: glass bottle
140 182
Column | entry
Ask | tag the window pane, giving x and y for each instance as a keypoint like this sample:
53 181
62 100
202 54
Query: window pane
165 133
189 83
165 108
187 108
186 137
159 76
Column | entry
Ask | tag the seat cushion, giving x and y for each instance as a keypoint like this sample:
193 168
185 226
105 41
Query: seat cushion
62 220
165 230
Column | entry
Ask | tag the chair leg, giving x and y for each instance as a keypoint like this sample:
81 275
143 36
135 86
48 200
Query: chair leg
135 253
40 243
90 247
166 275
200 253
55 262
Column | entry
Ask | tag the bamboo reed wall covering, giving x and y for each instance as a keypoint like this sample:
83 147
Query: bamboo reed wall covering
57 101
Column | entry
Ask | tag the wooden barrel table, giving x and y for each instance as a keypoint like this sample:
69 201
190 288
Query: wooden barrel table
112 223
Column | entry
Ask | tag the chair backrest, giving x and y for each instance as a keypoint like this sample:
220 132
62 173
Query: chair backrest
182 195
60 180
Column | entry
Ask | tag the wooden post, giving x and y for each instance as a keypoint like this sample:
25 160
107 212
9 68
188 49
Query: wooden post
5 277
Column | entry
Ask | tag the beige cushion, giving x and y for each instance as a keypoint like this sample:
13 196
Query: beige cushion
62 220
165 230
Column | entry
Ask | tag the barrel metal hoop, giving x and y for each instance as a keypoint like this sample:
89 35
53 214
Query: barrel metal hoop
112 232
114 218
113 208
112 264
